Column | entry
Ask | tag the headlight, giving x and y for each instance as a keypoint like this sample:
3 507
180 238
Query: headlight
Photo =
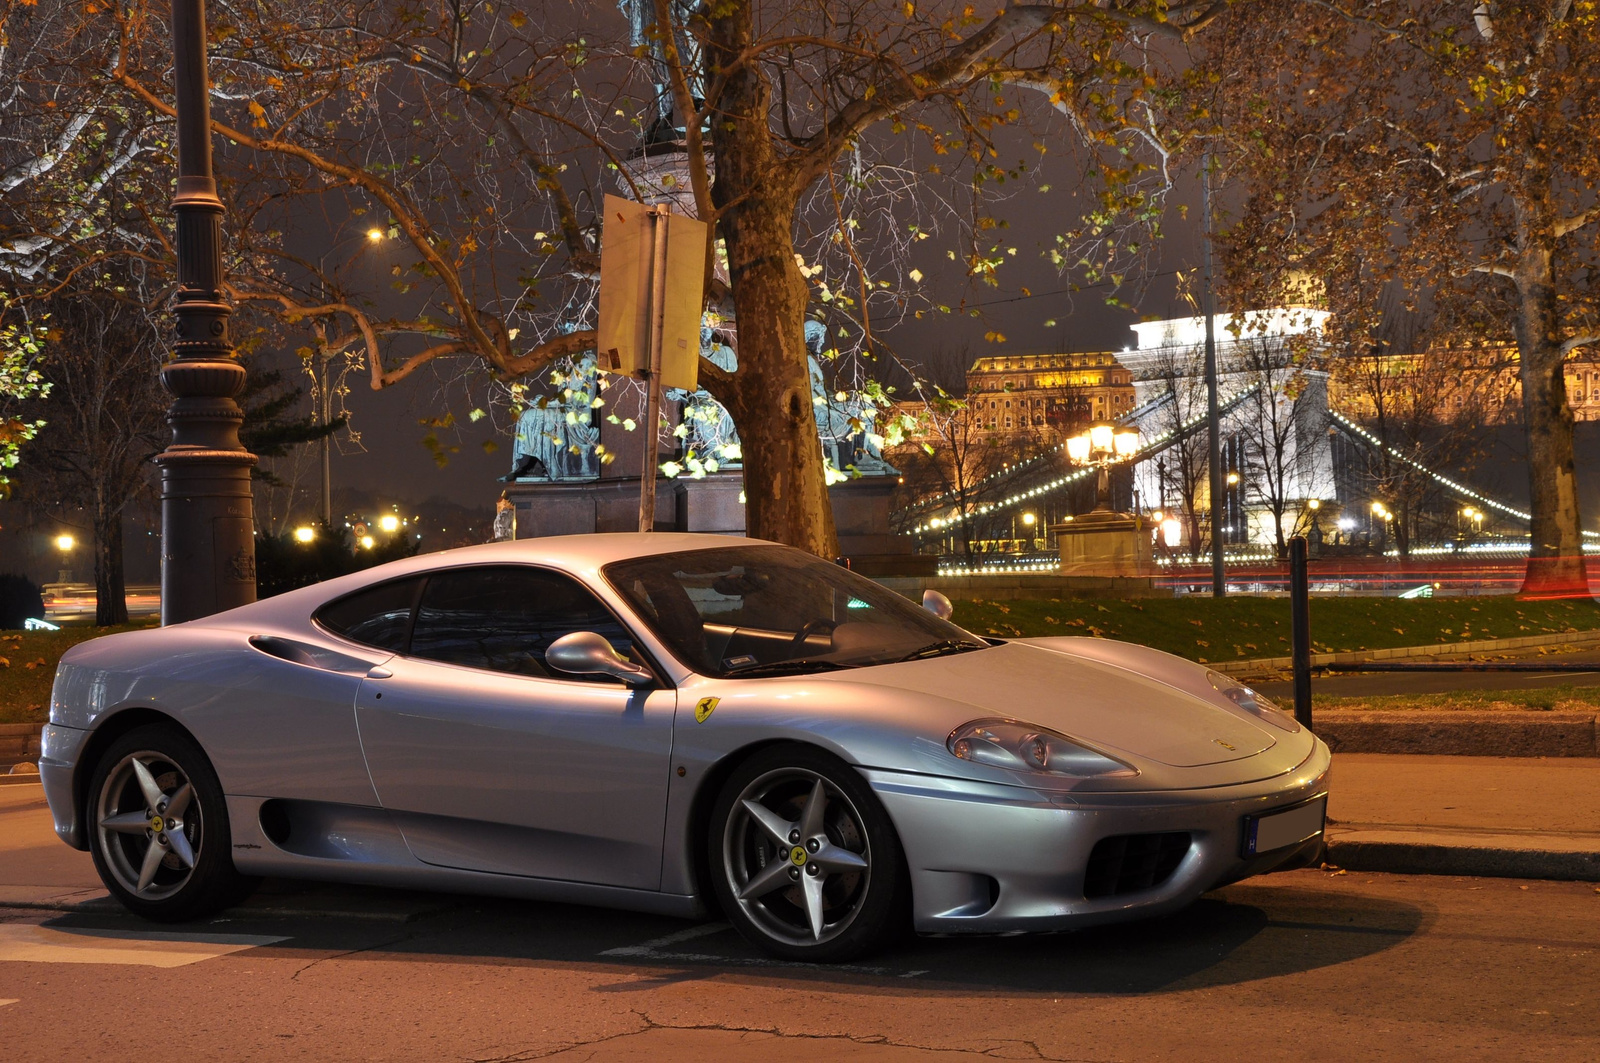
1251 702
1024 747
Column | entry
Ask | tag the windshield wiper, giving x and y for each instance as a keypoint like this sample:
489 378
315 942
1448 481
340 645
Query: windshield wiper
795 666
939 649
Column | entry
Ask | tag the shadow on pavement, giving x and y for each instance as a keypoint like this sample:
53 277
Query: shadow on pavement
1235 935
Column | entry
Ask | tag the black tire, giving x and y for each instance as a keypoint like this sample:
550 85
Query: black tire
859 909
175 893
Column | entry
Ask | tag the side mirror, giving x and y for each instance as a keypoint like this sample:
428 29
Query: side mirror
587 653
937 604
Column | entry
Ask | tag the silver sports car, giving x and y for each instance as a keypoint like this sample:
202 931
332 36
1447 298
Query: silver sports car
670 723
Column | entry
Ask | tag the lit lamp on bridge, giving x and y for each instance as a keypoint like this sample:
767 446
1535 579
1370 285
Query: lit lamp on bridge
1104 542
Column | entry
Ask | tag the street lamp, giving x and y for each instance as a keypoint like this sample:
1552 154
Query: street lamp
389 523
305 533
208 549
65 543
375 234
1103 444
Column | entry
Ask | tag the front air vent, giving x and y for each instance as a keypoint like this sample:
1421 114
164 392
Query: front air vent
1129 863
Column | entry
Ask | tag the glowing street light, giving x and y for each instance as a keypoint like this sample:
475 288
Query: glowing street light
1233 479
375 234
1103 444
1028 519
65 543
368 542
305 533
389 523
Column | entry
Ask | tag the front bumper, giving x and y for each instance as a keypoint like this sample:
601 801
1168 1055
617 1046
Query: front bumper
60 749
989 859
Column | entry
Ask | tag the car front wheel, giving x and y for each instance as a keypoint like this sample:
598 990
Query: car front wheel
803 857
158 827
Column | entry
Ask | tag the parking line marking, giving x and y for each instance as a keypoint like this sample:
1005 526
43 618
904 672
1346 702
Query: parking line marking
32 943
649 948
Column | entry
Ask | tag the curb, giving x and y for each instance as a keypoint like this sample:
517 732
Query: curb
1477 858
1460 733
1262 665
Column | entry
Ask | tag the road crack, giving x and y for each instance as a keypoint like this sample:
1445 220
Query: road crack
1009 1046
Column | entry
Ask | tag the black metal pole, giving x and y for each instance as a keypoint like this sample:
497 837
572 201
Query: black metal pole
1219 580
1300 629
208 550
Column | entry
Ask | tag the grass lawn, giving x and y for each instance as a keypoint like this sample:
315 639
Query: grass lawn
1539 699
1210 630
28 667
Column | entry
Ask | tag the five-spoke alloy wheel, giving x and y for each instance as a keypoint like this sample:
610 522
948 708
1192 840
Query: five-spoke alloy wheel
803 858
158 827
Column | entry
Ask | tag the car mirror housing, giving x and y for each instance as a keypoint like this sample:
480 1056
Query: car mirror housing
586 653
937 604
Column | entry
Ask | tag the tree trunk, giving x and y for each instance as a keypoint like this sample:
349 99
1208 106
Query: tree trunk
111 592
786 491
1555 556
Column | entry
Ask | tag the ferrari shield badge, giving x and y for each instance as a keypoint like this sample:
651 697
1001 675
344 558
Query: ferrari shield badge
704 708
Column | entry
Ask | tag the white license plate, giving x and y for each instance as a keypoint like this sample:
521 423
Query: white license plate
1275 830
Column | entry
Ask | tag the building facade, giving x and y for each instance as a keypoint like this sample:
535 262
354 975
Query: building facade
1048 393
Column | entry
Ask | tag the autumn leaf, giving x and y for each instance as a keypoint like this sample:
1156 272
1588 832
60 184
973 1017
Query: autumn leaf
258 115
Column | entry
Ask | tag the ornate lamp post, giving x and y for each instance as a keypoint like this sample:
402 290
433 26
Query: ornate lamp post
208 550
1103 444
1104 542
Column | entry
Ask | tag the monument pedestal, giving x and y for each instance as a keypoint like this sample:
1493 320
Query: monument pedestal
713 504
1104 543
861 519
612 505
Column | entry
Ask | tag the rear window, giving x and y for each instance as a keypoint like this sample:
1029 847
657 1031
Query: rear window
378 616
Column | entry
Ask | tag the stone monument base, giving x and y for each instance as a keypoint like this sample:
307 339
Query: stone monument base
1104 543
713 504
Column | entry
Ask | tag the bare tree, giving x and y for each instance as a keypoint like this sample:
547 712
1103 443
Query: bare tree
1426 401
1184 465
1280 421
1452 147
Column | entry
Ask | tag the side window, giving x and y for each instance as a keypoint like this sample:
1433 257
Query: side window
502 618
378 616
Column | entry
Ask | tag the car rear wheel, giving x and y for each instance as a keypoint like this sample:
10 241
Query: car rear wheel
804 859
158 827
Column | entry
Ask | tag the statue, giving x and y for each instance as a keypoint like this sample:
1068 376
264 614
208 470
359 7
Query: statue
844 420
556 435
710 440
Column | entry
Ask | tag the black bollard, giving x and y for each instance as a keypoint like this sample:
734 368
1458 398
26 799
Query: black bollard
1300 629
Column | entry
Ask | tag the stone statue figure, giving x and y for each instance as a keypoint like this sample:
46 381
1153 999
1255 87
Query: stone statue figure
708 433
843 424
556 434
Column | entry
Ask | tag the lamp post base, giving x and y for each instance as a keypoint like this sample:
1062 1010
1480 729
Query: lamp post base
1105 543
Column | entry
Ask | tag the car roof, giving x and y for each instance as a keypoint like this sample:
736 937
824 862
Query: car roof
577 554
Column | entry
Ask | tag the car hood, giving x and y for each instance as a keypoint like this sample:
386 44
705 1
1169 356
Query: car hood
1104 705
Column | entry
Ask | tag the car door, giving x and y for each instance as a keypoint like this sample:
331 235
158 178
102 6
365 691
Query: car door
492 761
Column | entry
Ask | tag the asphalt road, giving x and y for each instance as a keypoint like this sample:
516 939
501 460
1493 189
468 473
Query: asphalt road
1309 965
1375 684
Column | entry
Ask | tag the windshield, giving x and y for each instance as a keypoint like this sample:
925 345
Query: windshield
772 610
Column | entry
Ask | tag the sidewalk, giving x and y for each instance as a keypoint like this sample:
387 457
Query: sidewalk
1512 817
